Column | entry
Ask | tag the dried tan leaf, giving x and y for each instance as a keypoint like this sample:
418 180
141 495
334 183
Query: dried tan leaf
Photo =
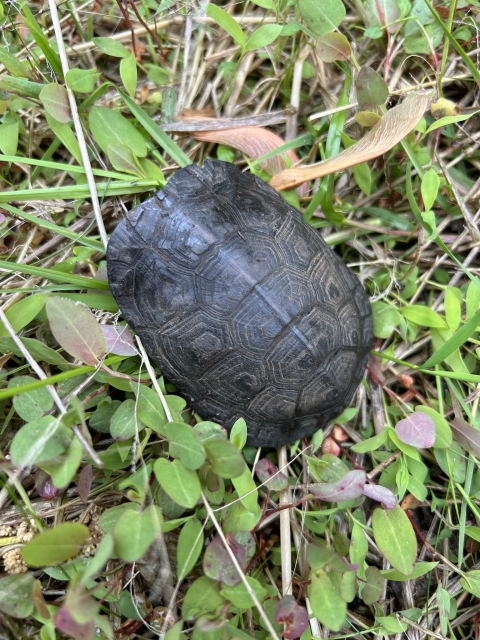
392 128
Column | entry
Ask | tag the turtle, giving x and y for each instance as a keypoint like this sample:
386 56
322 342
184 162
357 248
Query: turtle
241 303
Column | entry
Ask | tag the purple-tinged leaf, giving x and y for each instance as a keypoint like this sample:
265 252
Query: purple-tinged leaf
380 494
75 329
466 436
293 616
417 430
44 485
347 488
65 622
54 98
85 480
217 563
267 472
118 340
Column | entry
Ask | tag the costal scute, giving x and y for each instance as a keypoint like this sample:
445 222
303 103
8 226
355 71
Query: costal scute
241 303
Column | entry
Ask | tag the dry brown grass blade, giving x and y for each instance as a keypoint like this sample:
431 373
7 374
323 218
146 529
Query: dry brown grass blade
392 128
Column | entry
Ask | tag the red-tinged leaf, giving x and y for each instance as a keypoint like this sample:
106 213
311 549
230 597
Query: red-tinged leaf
466 436
44 485
267 472
55 100
64 622
380 494
293 616
85 480
333 46
118 340
347 488
417 430
76 329
217 563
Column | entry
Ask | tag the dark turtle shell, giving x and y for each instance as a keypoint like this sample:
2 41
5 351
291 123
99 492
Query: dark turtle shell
241 303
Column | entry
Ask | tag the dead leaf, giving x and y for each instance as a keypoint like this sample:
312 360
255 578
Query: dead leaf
392 128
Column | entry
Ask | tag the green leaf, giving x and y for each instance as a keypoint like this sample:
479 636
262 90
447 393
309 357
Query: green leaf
9 138
82 80
185 444
180 483
33 404
224 457
236 518
263 36
156 132
124 423
16 595
37 349
471 582
373 589
240 597
110 517
128 74
247 490
423 316
333 46
429 188
36 31
135 532
385 319
13 65
40 441
395 537
54 98
327 605
55 545
238 434
322 16
371 444
110 127
22 313
63 472
150 410
455 341
203 596
111 47
66 135
189 547
372 90
420 569
123 159
229 24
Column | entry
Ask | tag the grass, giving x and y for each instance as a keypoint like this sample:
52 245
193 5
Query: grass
120 510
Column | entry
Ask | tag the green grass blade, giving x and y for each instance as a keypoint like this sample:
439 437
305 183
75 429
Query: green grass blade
455 342
113 175
80 191
38 384
55 276
157 133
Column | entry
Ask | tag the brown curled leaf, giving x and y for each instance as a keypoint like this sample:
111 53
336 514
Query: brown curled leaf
254 142
392 128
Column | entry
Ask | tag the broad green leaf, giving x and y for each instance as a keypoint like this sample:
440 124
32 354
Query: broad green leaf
385 319
124 423
238 434
13 65
64 472
429 188
189 547
227 22
37 349
181 484
420 569
247 490
456 340
54 98
371 444
55 545
263 36
40 441
110 127
112 47
128 74
266 4
224 457
358 545
372 90
322 16
236 518
240 597
443 432
9 138
16 595
423 316
33 404
471 582
185 444
327 605
66 135
135 532
472 300
123 159
76 329
110 517
82 80
23 312
333 46
395 537
453 304
452 462
150 410
372 590
203 596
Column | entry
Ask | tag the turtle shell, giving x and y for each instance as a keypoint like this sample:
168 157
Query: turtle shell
241 303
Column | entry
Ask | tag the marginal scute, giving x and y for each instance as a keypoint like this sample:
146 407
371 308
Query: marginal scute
241 304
